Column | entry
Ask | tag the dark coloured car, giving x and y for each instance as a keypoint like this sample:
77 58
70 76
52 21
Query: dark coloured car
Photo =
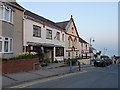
98 62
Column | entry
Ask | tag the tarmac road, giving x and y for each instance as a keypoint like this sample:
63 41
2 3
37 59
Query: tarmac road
100 77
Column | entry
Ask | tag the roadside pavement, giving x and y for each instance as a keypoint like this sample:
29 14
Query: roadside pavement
53 69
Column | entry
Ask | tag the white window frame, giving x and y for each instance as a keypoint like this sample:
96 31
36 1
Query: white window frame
38 29
49 34
3 16
3 43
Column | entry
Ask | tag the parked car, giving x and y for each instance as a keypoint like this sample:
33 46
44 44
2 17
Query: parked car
102 61
99 62
107 60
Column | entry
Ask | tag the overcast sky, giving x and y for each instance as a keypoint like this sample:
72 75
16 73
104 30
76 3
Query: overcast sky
98 20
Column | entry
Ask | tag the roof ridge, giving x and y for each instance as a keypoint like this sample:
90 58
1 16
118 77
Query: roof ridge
28 12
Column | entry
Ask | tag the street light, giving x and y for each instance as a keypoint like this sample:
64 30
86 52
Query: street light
91 40
105 49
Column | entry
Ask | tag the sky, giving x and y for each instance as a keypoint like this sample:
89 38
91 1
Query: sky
95 20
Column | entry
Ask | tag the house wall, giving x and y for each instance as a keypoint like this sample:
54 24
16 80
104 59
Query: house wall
18 32
0 28
14 30
73 34
28 37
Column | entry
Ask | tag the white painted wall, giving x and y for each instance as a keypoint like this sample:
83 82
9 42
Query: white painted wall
28 34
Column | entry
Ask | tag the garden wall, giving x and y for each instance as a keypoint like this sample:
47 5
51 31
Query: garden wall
15 66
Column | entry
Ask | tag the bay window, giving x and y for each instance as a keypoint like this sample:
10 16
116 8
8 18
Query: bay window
6 14
1 12
6 45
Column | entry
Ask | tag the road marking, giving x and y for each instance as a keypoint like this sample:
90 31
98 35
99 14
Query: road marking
26 84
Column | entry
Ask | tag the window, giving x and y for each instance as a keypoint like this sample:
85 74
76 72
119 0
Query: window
11 16
6 14
0 46
6 45
70 41
36 31
86 46
58 36
75 42
76 53
81 44
68 54
59 51
63 37
49 34
1 12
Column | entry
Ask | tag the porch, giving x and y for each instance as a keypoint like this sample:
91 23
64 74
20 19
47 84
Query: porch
46 51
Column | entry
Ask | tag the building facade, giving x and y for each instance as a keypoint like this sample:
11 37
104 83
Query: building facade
24 31
11 29
72 47
84 49
44 35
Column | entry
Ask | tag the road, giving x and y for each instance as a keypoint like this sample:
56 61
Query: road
99 77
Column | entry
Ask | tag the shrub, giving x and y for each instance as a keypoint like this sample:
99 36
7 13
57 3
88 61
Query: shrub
25 55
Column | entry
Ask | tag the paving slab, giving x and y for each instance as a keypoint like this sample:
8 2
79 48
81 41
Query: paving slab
7 81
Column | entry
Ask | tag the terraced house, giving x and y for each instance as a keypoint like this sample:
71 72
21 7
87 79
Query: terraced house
24 31
44 35
11 29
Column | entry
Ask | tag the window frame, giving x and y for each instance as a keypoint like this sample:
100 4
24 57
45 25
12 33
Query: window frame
36 31
48 34
63 37
58 35
10 12
9 45
1 40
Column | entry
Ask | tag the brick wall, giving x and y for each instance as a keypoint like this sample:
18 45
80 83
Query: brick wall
15 66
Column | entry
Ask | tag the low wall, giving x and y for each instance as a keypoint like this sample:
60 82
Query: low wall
85 61
14 66
59 58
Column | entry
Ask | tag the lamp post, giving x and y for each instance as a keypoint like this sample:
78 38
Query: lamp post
105 49
91 40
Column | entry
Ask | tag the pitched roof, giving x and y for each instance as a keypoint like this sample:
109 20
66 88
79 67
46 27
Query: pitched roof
82 41
41 19
16 5
63 24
